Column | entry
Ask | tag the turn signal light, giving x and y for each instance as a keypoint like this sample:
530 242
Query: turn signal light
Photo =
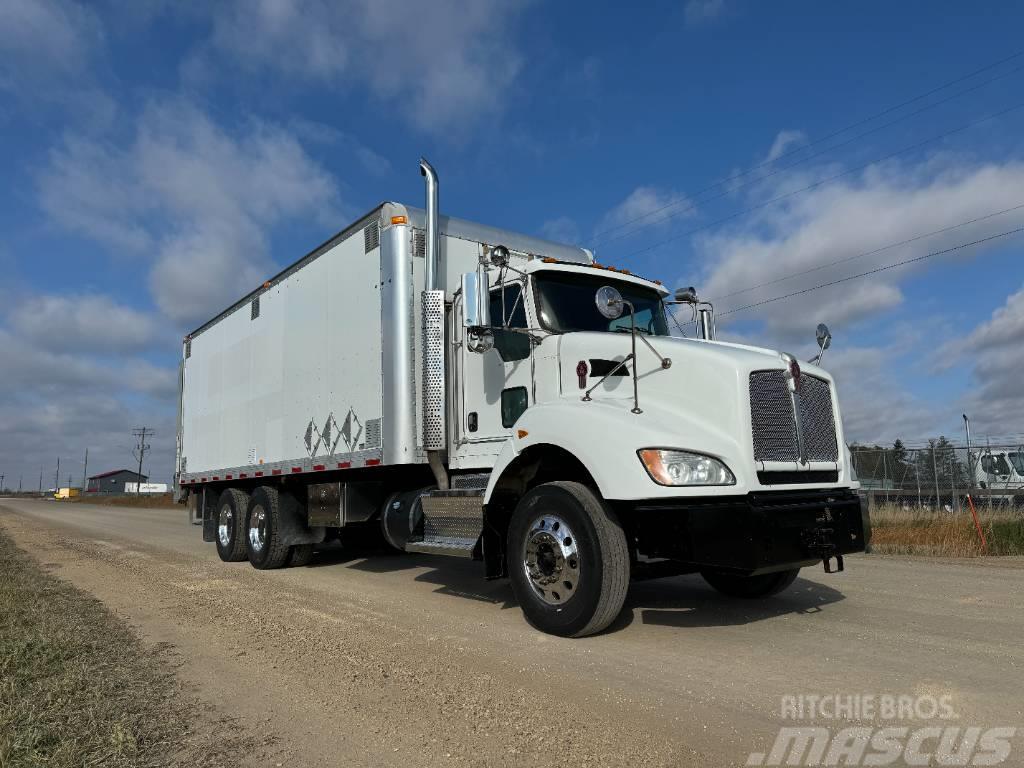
398 219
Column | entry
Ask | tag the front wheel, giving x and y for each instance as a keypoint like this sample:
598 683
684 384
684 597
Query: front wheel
568 559
763 585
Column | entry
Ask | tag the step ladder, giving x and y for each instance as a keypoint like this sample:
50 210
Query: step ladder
452 523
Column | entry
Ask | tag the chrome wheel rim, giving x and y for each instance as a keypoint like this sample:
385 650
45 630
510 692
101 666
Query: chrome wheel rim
551 559
257 529
225 522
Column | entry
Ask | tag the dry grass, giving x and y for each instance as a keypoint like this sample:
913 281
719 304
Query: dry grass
146 501
77 688
913 531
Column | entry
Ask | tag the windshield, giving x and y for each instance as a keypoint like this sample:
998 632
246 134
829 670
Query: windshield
1017 459
565 302
995 464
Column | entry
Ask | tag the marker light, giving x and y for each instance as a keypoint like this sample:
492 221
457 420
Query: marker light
668 467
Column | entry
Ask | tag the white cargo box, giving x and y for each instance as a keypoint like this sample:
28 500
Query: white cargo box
318 369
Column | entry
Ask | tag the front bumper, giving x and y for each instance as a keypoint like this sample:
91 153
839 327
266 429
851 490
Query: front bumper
756 533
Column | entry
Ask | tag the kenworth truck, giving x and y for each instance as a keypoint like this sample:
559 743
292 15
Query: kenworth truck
471 392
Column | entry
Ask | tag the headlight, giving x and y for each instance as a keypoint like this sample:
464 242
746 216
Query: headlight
684 468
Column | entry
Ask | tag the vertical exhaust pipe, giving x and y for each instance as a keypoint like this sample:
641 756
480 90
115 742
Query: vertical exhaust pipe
433 254
435 431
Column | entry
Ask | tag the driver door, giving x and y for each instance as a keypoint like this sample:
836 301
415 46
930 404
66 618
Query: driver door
497 386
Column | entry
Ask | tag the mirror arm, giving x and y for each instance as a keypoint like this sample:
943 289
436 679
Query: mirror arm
586 395
666 362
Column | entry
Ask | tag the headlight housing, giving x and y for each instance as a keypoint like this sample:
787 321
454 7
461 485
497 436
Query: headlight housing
682 468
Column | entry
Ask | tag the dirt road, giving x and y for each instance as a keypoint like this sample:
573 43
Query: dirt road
408 659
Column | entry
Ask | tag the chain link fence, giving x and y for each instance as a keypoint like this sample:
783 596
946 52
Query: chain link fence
939 475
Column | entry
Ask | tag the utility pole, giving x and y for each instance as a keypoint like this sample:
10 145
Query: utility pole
40 481
2 483
140 452
19 485
85 471
56 476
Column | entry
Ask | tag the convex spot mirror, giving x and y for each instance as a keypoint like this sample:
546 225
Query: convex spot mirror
609 302
824 336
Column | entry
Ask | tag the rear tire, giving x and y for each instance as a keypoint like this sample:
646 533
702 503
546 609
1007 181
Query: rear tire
263 525
301 555
763 585
568 559
232 507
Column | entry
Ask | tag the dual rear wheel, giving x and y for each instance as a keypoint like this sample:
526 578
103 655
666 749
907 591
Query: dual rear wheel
250 527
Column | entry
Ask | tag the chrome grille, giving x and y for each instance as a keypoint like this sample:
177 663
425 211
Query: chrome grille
817 421
773 426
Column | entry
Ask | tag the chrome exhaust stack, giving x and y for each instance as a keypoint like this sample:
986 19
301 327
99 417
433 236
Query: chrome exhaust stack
435 432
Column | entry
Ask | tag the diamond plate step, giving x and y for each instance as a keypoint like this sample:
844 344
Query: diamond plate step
452 523
451 547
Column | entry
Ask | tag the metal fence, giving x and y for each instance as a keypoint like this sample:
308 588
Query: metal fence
939 474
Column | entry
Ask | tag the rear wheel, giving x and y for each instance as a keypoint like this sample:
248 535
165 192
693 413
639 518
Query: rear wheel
231 510
301 555
568 559
263 539
763 585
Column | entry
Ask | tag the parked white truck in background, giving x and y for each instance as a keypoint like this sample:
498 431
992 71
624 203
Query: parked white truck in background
478 393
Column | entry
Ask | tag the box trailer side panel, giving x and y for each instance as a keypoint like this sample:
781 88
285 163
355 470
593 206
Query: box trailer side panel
293 374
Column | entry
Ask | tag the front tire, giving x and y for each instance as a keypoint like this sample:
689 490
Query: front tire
763 585
232 507
568 559
263 526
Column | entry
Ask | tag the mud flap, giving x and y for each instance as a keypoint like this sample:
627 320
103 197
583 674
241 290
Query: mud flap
293 524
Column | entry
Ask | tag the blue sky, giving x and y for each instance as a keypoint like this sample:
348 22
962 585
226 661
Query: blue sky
163 158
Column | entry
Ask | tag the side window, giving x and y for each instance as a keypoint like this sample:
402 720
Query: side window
511 346
513 402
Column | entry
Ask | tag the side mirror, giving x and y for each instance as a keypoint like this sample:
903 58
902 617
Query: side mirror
686 295
824 337
609 302
476 299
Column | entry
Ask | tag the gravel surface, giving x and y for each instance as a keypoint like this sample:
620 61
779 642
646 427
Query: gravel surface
390 660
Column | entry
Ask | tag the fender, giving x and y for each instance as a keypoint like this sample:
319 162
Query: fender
605 436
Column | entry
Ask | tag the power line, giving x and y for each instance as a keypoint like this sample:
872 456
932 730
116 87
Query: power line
875 271
816 184
868 253
601 241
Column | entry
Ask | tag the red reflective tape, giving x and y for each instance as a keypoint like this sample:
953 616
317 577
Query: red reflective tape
228 477
275 471
372 462
344 464
242 476
319 467
215 477
204 479
296 469
258 474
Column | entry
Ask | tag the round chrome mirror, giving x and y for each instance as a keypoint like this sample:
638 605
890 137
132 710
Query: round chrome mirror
609 302
824 336
499 256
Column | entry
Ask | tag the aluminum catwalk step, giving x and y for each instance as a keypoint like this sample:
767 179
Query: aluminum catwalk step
452 523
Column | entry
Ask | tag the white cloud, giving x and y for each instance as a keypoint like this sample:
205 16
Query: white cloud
445 66
83 323
884 205
994 352
646 207
783 141
561 229
702 11
40 37
198 198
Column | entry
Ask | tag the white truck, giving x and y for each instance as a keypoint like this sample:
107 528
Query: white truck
473 392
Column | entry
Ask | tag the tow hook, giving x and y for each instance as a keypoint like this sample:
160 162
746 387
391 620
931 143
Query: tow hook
826 561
